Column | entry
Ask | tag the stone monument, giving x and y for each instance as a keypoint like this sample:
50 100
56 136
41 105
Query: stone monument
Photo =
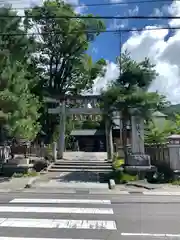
137 157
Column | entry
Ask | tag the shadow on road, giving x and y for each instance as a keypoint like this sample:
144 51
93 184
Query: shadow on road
4 179
81 177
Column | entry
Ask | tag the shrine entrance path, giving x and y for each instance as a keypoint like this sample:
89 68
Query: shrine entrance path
85 156
78 170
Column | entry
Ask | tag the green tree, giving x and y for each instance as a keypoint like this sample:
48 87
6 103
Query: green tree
154 135
177 124
65 66
129 92
64 42
18 105
14 40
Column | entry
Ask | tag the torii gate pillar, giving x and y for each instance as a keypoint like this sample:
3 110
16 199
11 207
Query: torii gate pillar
62 129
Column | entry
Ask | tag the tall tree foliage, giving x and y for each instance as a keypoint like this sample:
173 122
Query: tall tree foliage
62 54
64 42
18 105
13 37
154 135
128 93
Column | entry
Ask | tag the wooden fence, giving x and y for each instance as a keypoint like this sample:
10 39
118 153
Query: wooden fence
158 153
27 151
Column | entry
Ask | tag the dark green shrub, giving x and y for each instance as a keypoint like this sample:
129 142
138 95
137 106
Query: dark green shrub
164 174
40 165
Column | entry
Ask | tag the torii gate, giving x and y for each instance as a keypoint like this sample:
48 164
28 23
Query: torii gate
80 106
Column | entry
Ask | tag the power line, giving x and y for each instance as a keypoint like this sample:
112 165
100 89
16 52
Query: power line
109 4
91 31
93 17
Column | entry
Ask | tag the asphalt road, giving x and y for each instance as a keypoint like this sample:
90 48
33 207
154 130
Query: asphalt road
33 216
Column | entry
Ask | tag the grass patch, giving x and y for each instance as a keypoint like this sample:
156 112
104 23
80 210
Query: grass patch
122 178
128 178
175 182
117 162
29 174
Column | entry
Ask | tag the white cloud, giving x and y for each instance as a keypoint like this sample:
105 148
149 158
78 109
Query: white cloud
134 11
80 9
111 74
157 12
94 50
163 53
31 3
118 24
115 1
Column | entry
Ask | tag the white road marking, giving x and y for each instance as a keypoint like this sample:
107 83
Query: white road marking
162 193
23 238
124 192
58 201
57 223
56 210
150 235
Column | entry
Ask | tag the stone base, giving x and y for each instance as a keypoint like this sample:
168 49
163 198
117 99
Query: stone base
137 159
141 171
140 168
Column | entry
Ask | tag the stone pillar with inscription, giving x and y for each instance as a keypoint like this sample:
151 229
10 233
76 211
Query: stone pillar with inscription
137 128
109 140
61 144
137 157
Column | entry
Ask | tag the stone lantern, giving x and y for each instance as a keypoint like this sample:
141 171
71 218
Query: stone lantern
174 151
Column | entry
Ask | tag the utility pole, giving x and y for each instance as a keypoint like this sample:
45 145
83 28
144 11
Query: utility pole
120 115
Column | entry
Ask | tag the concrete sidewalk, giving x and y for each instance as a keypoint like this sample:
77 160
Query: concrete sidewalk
14 184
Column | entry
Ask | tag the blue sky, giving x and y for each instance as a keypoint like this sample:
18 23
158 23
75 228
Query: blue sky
107 45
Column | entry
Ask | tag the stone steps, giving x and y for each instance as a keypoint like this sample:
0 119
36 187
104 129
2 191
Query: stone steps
81 166
84 163
79 170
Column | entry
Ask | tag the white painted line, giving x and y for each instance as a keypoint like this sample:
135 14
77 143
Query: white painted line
23 238
57 223
157 193
143 234
150 235
56 210
162 193
124 192
59 201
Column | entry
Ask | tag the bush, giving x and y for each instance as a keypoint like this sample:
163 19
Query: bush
117 162
164 174
40 165
121 177
29 174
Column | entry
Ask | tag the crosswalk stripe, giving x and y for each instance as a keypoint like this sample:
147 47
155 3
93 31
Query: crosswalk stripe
58 201
56 210
24 238
58 223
